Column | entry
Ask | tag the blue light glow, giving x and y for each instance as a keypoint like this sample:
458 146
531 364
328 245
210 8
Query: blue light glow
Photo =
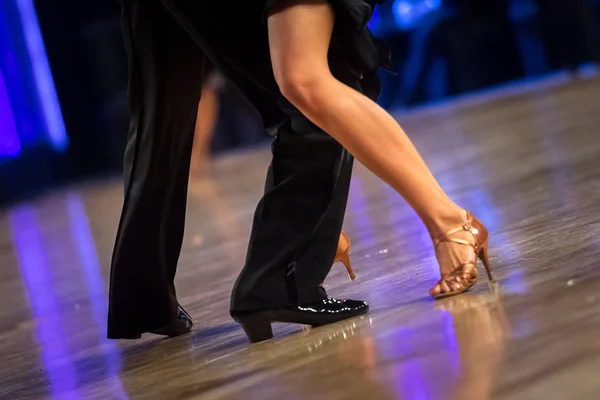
10 145
408 13
42 75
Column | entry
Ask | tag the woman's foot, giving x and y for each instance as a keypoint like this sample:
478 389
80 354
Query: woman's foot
457 251
342 254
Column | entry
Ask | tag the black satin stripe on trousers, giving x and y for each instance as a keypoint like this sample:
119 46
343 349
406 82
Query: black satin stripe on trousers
166 70
297 222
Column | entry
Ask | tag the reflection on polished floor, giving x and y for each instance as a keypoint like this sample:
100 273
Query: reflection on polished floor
525 161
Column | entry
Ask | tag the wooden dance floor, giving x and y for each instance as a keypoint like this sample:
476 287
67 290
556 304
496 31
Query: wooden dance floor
525 159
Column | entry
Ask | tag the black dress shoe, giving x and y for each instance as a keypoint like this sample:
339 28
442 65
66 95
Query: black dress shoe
182 323
257 324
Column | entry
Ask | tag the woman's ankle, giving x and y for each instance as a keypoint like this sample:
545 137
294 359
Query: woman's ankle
442 221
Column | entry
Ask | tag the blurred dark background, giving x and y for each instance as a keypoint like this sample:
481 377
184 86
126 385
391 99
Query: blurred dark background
63 74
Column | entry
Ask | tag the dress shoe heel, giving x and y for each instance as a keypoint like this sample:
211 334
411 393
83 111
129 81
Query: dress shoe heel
181 324
257 329
132 336
257 323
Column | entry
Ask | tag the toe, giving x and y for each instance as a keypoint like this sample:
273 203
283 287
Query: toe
435 290
445 287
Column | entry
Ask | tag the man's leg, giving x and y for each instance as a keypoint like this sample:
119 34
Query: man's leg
298 221
166 69
301 214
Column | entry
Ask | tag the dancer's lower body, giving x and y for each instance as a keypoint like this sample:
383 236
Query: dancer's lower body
163 101
298 221
300 65
308 92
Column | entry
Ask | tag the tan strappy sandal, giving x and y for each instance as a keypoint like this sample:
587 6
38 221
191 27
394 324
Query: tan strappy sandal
465 274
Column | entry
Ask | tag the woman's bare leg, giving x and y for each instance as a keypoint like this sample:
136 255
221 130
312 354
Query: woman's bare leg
205 125
299 57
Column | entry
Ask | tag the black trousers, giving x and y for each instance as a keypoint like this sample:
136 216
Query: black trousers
297 222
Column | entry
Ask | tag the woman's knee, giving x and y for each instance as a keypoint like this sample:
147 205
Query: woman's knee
301 86
299 55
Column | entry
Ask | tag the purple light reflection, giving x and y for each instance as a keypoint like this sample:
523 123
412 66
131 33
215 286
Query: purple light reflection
408 370
410 354
450 341
410 383
58 365
86 249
